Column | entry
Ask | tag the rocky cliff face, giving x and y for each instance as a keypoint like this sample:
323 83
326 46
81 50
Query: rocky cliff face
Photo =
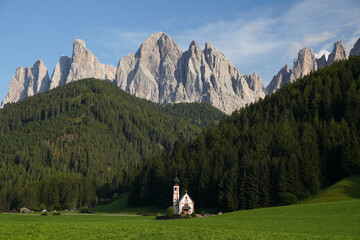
27 82
304 64
279 80
61 72
321 62
82 64
337 54
355 51
160 72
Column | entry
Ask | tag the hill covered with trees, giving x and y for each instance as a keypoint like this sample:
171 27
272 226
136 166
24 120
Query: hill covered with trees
83 141
279 150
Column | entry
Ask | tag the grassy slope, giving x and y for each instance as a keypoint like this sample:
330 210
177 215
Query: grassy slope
120 206
333 220
346 189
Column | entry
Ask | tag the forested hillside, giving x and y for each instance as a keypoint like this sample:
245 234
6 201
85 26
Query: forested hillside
276 151
70 146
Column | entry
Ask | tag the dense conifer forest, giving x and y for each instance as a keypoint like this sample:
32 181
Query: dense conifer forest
71 146
277 151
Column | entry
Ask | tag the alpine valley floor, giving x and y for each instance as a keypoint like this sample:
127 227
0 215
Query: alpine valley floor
328 220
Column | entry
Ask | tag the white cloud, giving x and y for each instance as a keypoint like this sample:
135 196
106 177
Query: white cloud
322 37
262 42
321 53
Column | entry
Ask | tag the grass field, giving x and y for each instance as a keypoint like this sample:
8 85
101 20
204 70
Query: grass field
346 189
333 220
120 206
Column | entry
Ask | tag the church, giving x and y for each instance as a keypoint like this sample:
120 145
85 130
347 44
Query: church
184 204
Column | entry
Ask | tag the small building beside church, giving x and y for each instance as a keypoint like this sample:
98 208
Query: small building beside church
25 210
183 204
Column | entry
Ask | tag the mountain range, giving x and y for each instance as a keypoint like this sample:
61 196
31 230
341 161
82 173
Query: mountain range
159 71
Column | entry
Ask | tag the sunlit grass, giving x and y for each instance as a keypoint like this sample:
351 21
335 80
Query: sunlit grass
333 220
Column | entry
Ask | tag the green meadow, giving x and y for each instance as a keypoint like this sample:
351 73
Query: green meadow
120 205
346 189
328 220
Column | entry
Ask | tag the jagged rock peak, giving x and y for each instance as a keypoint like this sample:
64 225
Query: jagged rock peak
338 53
209 46
79 42
321 62
159 42
61 72
255 82
279 79
195 48
193 44
27 82
84 64
305 63
355 51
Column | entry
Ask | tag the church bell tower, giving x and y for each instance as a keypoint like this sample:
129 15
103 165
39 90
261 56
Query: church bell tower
176 195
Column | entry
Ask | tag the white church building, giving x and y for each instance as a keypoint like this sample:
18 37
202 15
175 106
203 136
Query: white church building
184 204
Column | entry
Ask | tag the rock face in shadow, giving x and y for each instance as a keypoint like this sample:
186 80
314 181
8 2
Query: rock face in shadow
355 51
61 72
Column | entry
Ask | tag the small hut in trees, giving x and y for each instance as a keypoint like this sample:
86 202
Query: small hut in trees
25 210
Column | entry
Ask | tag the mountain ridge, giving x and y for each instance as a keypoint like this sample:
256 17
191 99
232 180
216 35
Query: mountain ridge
159 71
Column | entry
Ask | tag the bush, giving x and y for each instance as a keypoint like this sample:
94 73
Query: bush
115 196
203 213
56 214
287 198
171 211
42 207
305 195
84 209
193 215
44 214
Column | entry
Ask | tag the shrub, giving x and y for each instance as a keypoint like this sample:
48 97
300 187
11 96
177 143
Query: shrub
42 207
287 198
56 214
84 209
203 213
44 214
305 195
115 196
193 215
171 211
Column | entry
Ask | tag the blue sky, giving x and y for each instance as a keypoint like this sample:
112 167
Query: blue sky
254 35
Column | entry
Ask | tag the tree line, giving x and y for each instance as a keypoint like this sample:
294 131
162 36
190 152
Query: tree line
84 141
277 151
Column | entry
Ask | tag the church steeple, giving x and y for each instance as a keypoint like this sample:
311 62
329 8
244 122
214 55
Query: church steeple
176 181
176 195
